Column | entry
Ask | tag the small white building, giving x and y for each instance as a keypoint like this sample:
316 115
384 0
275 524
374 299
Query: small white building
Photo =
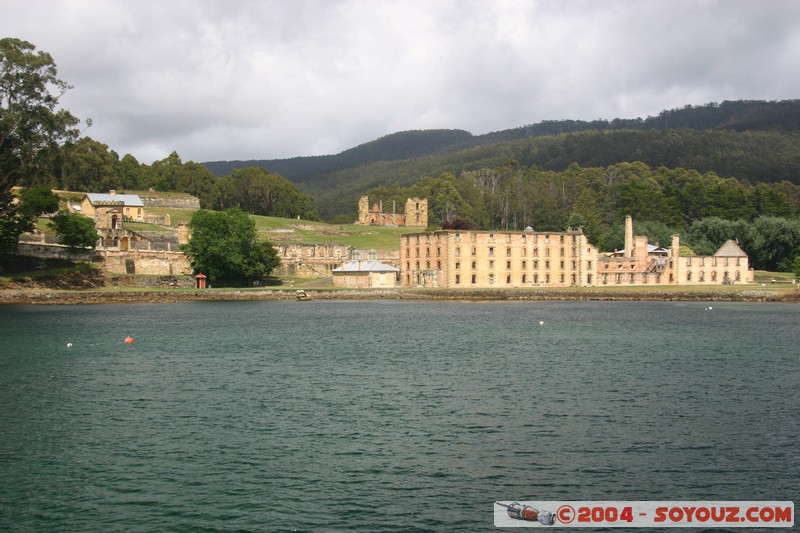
366 274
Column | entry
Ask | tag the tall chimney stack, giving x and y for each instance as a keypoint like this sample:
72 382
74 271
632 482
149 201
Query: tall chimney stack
628 236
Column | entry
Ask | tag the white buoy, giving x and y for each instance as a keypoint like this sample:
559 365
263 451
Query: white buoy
710 308
69 345
541 322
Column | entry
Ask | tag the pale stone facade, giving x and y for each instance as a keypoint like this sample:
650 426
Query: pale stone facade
311 260
641 263
414 216
146 262
505 259
728 265
497 259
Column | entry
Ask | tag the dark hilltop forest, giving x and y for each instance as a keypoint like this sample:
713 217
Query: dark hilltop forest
733 116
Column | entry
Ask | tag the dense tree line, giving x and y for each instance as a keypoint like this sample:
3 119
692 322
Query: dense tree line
88 165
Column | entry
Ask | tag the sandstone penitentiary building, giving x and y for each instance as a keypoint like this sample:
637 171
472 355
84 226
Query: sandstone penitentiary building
506 259
491 259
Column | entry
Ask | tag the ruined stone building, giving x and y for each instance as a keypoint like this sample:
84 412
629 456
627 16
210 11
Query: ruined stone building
507 259
496 259
641 263
414 216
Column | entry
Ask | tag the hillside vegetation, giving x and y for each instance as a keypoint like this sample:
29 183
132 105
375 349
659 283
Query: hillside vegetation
752 142
736 116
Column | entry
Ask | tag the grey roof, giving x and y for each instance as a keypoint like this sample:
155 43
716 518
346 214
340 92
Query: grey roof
730 249
366 266
131 200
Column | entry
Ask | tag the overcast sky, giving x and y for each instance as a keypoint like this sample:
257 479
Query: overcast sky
263 79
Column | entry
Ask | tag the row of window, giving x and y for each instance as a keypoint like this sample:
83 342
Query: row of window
491 251
524 279
702 261
491 265
618 278
630 265
701 276
509 236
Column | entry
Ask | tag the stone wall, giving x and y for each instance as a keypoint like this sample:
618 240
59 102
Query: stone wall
155 263
56 251
310 260
153 282
174 202
319 260
151 262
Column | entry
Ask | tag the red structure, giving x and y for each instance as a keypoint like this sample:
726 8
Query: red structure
200 281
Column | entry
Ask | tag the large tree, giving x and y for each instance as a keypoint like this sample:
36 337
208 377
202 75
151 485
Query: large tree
225 247
88 165
74 230
31 126
30 203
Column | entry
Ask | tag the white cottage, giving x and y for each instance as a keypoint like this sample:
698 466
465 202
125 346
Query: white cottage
366 274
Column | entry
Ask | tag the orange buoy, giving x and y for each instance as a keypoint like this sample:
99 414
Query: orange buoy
128 340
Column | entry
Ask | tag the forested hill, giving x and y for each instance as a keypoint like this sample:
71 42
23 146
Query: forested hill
394 147
738 116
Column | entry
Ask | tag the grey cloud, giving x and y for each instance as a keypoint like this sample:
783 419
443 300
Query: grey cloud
250 80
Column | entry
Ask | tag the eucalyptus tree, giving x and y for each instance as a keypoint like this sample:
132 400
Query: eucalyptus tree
31 126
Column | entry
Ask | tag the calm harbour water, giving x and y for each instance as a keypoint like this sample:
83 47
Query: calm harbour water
386 415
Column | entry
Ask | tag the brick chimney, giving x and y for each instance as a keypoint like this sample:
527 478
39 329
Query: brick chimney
628 236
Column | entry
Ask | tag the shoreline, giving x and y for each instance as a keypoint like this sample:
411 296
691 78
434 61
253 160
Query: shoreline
80 297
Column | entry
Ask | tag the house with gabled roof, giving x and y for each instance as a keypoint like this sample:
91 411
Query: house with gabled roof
111 209
729 264
366 274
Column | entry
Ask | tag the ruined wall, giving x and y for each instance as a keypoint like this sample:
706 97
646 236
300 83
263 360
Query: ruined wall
151 262
155 263
415 215
56 251
311 260
175 202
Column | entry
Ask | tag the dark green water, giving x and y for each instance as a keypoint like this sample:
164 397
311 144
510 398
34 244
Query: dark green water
386 415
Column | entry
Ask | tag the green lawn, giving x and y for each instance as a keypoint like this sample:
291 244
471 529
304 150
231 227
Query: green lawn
762 276
176 216
292 231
